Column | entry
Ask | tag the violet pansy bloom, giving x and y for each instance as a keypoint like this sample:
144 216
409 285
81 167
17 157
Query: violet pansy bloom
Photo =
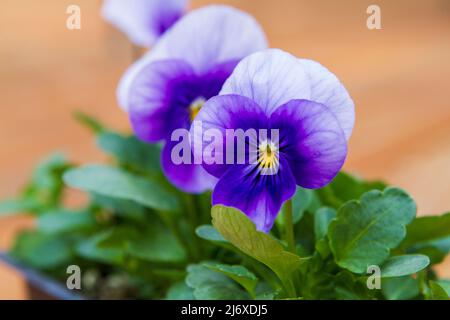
312 113
165 89
143 21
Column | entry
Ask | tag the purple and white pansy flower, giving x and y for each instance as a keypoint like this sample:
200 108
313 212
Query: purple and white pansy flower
165 89
143 21
306 106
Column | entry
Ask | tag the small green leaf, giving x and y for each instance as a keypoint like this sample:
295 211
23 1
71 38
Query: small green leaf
60 221
437 292
89 121
211 285
402 288
242 233
399 266
42 251
427 229
366 230
322 219
300 202
123 208
117 183
445 284
131 152
238 273
17 206
208 232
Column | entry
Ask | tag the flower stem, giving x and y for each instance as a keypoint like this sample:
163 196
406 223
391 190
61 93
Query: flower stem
289 227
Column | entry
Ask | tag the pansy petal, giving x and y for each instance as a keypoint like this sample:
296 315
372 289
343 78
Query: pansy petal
312 141
152 95
222 113
260 197
143 21
271 78
328 90
191 178
204 38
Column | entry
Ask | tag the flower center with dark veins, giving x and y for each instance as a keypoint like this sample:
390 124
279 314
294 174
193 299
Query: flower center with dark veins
195 107
268 155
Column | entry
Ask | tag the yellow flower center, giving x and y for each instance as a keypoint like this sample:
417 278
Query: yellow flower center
195 107
267 155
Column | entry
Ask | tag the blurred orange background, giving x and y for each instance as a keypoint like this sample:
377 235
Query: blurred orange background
399 78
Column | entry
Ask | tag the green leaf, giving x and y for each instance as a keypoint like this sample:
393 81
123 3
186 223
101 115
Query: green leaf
211 285
17 206
180 291
156 244
346 187
437 292
242 233
131 152
42 251
427 229
322 219
365 231
402 288
238 273
300 202
90 122
208 232
399 266
445 284
123 208
60 221
90 249
117 183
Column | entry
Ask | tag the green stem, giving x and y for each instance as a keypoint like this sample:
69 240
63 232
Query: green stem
289 227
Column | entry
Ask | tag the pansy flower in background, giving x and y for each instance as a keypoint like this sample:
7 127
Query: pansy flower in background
143 21
314 116
165 89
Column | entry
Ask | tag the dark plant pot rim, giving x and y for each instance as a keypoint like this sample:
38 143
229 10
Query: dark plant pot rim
39 281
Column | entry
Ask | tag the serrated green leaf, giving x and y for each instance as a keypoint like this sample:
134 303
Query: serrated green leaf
322 219
42 251
365 231
131 152
61 221
208 232
407 264
238 273
402 288
211 285
117 183
241 232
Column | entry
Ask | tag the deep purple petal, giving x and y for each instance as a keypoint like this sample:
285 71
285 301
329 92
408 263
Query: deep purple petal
204 38
312 141
270 78
259 197
227 112
191 178
156 92
328 90
143 21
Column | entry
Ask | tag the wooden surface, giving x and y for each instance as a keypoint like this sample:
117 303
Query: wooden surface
399 78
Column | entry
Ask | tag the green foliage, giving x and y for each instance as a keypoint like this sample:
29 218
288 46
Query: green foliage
138 237
365 231
117 183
